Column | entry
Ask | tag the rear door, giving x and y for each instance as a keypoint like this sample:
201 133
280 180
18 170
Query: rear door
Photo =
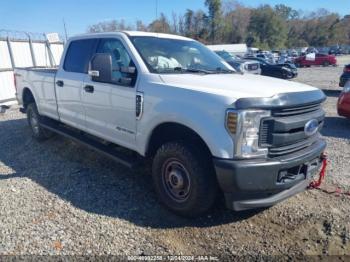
69 81
110 108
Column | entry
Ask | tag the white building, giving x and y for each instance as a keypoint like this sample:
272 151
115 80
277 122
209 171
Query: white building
237 49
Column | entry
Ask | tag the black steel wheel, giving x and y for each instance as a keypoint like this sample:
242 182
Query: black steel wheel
184 178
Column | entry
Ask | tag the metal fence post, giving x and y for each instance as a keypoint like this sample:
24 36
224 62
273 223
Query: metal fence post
10 53
32 51
50 53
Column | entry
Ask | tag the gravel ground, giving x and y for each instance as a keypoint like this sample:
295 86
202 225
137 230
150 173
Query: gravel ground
59 198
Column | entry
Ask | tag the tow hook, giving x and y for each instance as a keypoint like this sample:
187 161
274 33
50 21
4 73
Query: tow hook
317 183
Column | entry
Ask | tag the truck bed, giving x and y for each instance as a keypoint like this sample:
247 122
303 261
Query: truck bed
51 70
41 82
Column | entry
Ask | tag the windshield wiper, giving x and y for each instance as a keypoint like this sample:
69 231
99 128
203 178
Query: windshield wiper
219 70
224 71
193 70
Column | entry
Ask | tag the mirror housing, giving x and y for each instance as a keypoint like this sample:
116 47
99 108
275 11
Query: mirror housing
101 68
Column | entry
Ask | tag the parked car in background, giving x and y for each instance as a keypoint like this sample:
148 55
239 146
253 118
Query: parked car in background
310 50
343 105
319 59
345 49
345 77
294 53
285 58
335 50
323 50
285 71
240 65
267 57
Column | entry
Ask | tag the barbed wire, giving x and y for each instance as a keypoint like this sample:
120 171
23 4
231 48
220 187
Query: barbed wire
23 35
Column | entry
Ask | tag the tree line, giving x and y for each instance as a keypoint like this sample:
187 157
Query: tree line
265 27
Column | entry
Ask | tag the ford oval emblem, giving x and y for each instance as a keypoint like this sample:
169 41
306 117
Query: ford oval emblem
311 127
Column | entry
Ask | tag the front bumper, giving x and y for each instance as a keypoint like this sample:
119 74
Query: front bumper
257 183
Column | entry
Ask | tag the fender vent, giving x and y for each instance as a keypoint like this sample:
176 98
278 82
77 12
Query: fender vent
139 105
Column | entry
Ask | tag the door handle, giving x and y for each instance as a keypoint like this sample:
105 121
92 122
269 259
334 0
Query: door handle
89 88
60 83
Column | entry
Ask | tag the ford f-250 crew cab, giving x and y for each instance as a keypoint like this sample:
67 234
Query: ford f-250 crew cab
138 96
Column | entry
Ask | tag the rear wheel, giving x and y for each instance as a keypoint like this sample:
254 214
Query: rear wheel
184 179
34 119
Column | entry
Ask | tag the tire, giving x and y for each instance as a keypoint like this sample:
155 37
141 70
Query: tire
288 75
184 179
34 119
325 63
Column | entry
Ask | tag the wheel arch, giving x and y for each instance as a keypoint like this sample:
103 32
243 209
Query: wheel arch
27 97
171 131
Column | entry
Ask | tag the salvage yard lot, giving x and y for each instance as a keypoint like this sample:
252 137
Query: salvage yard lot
58 197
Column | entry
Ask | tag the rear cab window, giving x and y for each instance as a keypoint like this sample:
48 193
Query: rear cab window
79 54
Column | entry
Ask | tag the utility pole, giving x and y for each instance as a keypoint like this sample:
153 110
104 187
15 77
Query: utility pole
65 30
156 9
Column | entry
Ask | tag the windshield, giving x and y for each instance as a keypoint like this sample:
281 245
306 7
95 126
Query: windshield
227 56
163 55
262 61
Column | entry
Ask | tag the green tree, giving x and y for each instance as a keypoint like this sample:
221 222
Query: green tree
267 29
235 22
109 26
160 25
215 16
286 12
188 17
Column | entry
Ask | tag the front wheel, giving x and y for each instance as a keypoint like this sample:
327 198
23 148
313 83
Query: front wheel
34 119
325 63
184 179
289 75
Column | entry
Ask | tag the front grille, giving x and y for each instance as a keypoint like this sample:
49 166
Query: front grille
283 132
289 149
252 67
299 110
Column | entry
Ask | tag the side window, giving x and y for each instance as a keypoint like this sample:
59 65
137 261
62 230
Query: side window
120 56
78 55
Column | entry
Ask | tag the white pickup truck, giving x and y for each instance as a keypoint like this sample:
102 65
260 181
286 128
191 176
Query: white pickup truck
167 99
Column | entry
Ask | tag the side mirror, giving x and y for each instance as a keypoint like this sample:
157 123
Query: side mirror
101 68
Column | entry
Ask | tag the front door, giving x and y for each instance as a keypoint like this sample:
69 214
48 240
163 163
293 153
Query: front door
110 108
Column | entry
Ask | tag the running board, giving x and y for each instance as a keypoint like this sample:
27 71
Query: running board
80 137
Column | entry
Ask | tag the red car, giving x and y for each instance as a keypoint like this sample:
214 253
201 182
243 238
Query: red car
344 102
319 59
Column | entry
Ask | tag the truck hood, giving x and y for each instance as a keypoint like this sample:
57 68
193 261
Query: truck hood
234 85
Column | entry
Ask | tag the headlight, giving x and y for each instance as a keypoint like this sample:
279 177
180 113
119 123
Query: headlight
244 127
286 68
346 88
